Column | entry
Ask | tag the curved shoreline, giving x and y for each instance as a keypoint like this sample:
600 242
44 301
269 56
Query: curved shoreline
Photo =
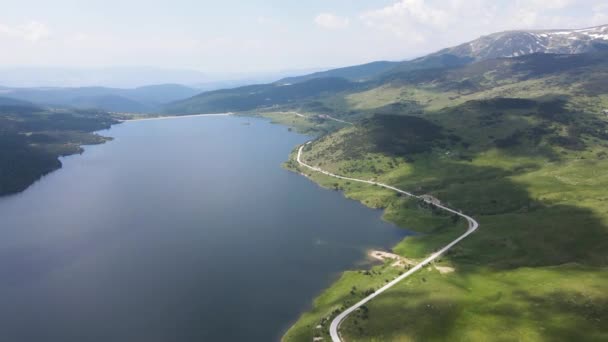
171 117
473 225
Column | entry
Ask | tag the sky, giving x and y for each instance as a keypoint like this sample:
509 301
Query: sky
231 36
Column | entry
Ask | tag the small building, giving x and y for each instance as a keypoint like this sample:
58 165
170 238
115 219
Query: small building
430 199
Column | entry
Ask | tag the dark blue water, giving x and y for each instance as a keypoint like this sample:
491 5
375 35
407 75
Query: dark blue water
178 230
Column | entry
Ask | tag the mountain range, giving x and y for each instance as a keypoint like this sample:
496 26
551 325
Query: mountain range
137 100
504 48
497 45
510 129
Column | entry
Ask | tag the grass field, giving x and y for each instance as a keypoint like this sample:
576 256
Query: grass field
537 267
519 143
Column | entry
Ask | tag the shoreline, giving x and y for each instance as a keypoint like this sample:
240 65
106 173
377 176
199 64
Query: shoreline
104 140
472 227
170 117
384 256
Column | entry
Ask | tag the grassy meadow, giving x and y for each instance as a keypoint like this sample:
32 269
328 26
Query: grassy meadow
531 172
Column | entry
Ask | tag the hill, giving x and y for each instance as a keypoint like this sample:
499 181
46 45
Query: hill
497 45
407 92
518 143
111 103
356 73
259 96
7 101
33 138
141 100
110 77
520 43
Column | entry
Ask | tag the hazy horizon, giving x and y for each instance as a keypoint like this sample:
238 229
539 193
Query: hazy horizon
262 36
132 76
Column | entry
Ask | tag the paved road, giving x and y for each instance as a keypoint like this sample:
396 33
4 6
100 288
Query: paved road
325 116
473 225
338 120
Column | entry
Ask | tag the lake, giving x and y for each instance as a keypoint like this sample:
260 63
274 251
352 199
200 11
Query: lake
177 230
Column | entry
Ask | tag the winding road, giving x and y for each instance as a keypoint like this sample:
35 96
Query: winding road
473 225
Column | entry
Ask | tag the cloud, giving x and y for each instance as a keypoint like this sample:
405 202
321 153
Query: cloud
32 31
408 10
331 21
546 4
600 15
427 25
262 20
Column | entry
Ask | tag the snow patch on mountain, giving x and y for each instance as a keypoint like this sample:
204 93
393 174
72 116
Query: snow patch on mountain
519 43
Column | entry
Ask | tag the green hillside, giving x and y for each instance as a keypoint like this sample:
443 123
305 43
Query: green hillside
538 262
522 145
265 96
415 91
519 143
145 99
355 73
32 139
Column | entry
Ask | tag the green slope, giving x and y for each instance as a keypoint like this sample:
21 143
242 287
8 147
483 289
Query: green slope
355 73
260 96
416 91
522 145
32 139
145 99
539 260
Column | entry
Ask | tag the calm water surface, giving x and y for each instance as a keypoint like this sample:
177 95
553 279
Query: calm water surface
178 230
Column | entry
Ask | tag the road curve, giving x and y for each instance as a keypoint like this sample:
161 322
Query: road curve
473 225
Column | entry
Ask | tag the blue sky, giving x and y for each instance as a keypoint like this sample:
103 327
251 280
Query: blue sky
260 36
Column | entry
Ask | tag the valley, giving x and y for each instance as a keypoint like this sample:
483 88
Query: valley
518 143
508 133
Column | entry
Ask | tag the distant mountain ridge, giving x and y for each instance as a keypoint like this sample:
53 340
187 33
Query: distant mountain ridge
519 43
139 100
497 45
352 73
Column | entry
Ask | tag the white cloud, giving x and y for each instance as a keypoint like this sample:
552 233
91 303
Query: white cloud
407 10
427 25
262 20
331 21
545 4
32 31
600 15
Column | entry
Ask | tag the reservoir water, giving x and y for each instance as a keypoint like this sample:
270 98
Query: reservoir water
177 230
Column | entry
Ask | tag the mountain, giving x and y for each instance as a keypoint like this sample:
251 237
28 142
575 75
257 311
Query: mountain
508 44
140 100
415 91
133 77
353 73
111 103
160 94
7 101
519 43
258 96
520 143
497 45
113 77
